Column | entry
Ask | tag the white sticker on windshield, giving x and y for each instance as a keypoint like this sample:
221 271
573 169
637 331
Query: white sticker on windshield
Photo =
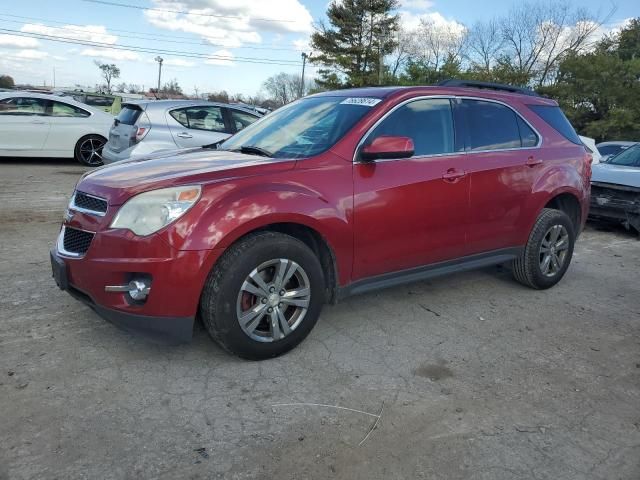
364 101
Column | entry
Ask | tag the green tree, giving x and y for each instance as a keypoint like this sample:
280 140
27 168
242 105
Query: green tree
352 47
109 72
6 81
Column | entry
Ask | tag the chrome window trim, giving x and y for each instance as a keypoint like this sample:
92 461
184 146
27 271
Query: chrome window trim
73 206
60 244
464 152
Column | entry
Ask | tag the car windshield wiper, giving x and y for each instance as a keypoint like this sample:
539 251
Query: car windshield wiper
253 150
214 144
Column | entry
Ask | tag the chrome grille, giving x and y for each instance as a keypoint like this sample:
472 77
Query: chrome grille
89 203
76 241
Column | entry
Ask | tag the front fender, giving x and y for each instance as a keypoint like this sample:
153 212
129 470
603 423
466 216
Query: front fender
230 210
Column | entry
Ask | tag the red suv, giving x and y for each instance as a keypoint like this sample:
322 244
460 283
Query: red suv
333 195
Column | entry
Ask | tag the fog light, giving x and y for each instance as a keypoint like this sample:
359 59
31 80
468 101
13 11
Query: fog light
137 289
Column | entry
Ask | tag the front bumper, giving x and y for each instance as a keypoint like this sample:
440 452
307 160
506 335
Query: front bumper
616 202
177 278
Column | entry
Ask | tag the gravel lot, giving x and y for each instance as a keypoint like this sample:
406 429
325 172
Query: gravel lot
471 376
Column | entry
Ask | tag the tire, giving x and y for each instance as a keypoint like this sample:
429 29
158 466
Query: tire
231 293
529 269
88 150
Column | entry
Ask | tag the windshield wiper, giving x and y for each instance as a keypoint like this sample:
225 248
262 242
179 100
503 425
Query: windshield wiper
214 145
253 150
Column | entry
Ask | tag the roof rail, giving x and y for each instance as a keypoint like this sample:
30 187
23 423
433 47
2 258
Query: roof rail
453 82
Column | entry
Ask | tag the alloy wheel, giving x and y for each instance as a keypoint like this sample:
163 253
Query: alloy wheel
273 300
553 250
91 151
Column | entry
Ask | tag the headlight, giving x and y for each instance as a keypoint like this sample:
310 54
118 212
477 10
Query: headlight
148 212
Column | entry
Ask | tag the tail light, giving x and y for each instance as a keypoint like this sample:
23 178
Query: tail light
141 133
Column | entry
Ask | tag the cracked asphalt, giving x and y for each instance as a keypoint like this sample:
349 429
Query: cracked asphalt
470 376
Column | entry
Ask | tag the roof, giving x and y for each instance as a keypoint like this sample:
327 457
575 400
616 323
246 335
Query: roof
50 96
623 143
164 104
386 92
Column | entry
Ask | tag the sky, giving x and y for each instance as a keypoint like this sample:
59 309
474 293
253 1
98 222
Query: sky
231 45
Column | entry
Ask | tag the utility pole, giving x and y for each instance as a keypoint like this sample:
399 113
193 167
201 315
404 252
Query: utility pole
159 59
304 61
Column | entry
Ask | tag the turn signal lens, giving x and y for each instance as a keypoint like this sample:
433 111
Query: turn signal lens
189 195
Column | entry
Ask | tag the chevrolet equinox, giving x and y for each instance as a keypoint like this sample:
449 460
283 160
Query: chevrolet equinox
335 194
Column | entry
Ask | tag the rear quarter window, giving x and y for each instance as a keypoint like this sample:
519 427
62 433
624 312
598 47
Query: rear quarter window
554 116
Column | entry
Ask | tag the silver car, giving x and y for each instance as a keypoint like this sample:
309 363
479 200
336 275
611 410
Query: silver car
145 127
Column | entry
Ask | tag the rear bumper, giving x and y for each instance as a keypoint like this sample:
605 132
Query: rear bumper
110 156
616 202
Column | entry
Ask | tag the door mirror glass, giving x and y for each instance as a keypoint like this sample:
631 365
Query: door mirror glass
388 147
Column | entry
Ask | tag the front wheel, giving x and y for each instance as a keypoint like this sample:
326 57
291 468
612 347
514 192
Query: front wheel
263 296
88 150
548 252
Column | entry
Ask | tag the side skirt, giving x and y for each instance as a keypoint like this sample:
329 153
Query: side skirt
393 279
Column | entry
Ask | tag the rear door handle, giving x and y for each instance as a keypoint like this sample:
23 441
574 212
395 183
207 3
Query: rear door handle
184 135
532 161
453 174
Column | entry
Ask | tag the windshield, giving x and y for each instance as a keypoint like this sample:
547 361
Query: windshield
629 157
301 129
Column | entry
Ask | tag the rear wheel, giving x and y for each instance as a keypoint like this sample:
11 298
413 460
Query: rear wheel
548 252
88 150
264 296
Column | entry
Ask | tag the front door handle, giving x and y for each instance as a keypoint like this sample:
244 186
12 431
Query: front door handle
453 174
532 161
184 135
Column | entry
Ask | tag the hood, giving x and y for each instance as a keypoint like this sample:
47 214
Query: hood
617 174
122 180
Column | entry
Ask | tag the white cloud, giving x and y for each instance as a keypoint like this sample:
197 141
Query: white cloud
30 54
416 4
109 54
90 33
226 61
231 24
16 41
302 45
178 62
411 21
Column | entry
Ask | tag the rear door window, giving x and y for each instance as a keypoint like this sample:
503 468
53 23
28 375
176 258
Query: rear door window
240 119
200 118
60 109
429 123
555 117
492 126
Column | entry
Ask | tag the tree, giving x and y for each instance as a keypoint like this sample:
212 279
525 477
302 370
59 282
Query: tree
172 88
599 91
484 43
6 81
109 72
285 87
352 47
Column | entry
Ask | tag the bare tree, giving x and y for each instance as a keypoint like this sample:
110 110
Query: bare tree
285 87
109 72
484 44
434 44
537 36
402 51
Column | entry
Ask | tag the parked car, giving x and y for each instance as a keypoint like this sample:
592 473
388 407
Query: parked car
608 149
336 194
615 188
590 144
101 101
41 125
146 127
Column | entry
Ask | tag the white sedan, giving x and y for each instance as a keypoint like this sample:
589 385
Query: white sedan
41 125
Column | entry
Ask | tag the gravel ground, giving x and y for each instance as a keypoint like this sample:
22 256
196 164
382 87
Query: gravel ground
470 376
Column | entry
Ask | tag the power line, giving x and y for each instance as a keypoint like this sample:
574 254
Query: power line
134 48
138 37
183 12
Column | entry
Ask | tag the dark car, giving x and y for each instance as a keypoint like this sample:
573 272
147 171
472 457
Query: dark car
336 194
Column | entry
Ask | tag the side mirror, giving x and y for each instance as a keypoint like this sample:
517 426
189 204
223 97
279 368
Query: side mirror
388 147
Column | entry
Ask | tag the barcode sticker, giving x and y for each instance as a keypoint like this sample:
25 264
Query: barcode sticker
364 101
